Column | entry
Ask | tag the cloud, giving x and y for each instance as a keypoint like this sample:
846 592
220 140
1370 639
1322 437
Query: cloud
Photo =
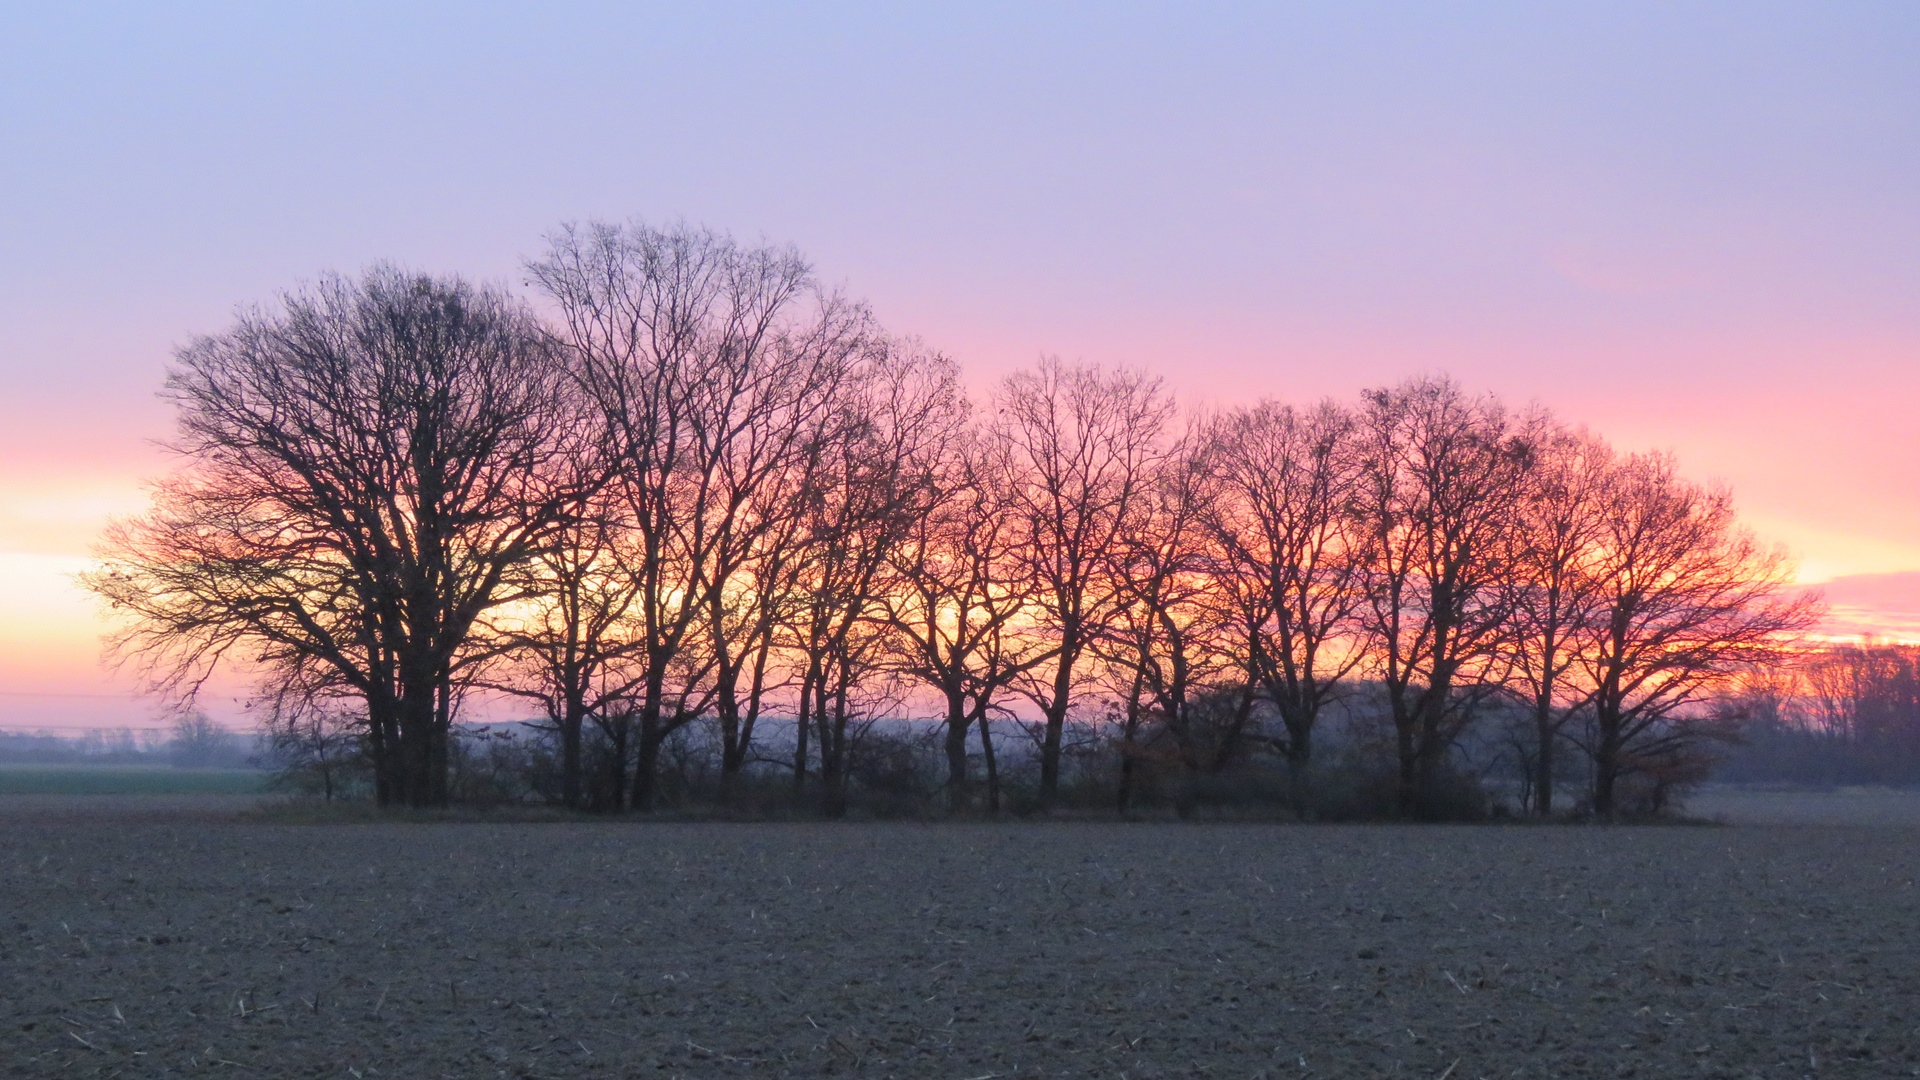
1877 605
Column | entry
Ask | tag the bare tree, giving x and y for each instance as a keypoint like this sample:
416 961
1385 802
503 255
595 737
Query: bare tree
1555 591
199 742
1867 697
1442 476
711 488
714 364
568 645
315 743
1836 684
872 488
956 595
786 463
1166 646
1289 555
1081 442
364 468
1687 601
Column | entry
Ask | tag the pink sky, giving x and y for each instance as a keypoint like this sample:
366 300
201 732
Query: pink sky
1691 227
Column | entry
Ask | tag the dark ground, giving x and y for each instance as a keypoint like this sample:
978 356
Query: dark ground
199 945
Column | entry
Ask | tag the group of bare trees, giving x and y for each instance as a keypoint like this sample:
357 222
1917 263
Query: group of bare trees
695 487
1840 714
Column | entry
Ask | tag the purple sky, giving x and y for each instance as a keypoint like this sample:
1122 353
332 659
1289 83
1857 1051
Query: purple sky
1692 226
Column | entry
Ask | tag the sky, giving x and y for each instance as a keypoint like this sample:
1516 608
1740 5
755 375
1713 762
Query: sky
1691 227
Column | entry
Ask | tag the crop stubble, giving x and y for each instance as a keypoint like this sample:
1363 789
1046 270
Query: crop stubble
245 949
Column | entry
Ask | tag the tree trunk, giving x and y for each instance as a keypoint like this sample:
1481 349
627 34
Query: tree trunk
616 773
440 744
737 743
831 755
1300 769
1422 751
381 746
1128 752
956 754
1430 760
1409 767
835 783
803 724
646 767
417 708
1229 746
726 706
993 766
571 721
733 752
1606 767
1543 760
1056 720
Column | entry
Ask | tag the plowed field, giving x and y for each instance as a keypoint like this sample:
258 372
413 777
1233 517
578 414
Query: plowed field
195 947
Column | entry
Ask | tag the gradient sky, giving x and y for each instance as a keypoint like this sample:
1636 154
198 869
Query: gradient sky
1688 226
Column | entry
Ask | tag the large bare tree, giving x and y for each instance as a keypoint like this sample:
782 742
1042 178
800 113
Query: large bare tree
1867 695
1081 443
873 488
1688 601
569 644
1441 476
364 467
1289 558
715 366
1167 648
1555 594
957 594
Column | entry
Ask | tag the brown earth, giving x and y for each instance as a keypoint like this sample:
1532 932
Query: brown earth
194 947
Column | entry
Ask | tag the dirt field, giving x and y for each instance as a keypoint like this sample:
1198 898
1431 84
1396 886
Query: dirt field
191 947
1839 806
142 780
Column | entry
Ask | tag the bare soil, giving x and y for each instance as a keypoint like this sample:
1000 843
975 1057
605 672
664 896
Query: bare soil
1835 806
195 946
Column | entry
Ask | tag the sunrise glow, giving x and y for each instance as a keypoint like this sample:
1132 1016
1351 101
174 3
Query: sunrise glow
1699 237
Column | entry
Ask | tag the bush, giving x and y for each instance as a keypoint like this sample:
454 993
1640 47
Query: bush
494 765
316 750
199 743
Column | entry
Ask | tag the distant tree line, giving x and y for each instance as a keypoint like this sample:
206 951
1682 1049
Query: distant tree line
1839 714
695 490
193 741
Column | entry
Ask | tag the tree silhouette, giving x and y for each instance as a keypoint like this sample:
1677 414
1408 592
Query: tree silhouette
364 467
